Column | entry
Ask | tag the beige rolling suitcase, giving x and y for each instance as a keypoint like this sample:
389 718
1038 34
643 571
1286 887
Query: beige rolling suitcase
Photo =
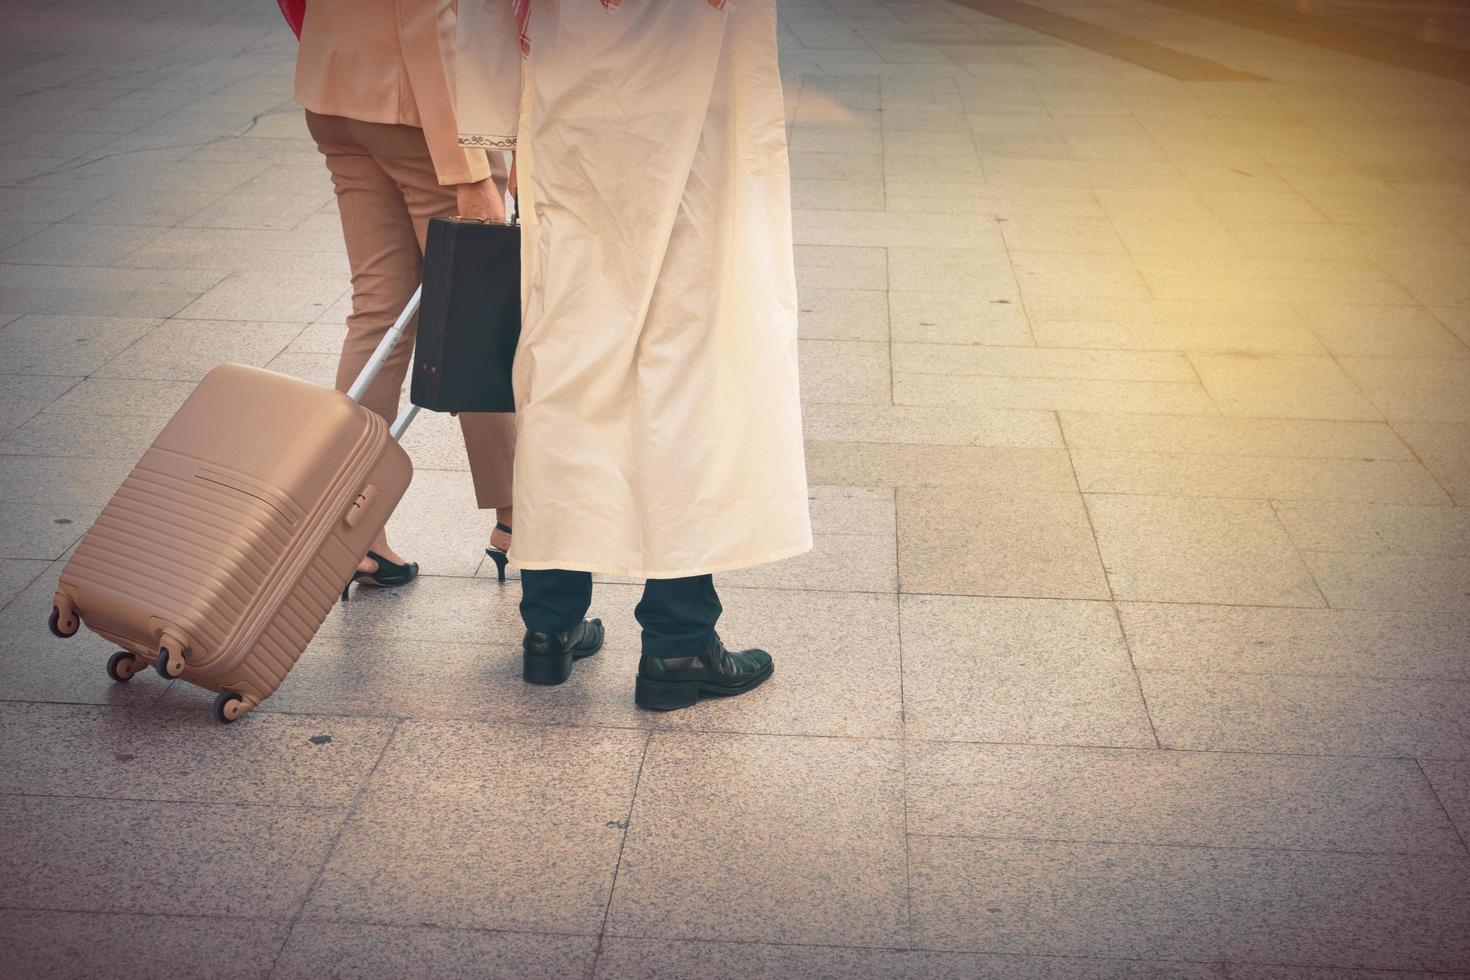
223 550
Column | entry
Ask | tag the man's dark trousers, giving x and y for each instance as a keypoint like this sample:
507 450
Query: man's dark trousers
678 615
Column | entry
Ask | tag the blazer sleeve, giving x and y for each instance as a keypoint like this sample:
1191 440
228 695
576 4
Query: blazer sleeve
490 74
427 32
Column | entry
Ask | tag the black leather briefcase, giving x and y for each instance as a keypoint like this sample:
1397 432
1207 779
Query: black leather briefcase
469 318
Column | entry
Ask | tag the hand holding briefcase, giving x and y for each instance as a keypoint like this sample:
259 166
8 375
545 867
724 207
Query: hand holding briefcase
470 319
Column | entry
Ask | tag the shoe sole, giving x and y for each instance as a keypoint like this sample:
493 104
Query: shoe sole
549 671
673 695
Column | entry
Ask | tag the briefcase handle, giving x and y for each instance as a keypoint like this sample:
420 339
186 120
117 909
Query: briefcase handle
515 215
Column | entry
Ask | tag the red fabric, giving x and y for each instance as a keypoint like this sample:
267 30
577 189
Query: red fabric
295 12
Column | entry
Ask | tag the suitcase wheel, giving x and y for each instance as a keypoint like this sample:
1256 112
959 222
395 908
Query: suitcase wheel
63 626
122 665
169 664
229 706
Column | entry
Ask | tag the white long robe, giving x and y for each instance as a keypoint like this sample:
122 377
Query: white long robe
656 379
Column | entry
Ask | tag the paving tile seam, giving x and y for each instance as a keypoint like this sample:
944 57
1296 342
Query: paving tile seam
1265 499
1034 377
18 794
1429 783
331 848
434 926
1460 855
1112 599
612 889
266 709
1420 460
1233 672
1009 954
903 732
134 910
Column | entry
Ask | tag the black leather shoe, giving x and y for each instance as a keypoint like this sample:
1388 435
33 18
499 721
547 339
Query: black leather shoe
548 656
677 682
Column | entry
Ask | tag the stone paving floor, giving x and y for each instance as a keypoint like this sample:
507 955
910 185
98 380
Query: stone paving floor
1136 642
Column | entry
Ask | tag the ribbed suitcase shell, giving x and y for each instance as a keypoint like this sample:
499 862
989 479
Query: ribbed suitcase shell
235 532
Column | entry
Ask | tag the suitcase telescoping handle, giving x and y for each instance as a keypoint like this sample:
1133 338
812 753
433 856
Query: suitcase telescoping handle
385 347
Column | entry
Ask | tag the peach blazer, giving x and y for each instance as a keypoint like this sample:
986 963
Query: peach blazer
389 61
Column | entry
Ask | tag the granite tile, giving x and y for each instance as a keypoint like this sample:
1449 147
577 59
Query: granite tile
1203 904
81 855
1058 233
1416 390
1444 449
16 574
255 297
1369 481
1109 432
810 165
1077 274
160 208
851 562
928 424
422 846
968 542
1245 971
1198 550
60 482
104 398
83 291
105 752
67 345
1377 529
837 195
1041 362
958 318
974 468
1311 715
1116 328
1206 287
122 437
1282 387
1053 394
1157 236
833 875
1255 269
843 314
856 511
69 244
1359 580
375 952
1328 642
849 372
840 267
1018 670
113 945
185 350
657 959
22 396
1382 331
1126 796
1451 784
982 272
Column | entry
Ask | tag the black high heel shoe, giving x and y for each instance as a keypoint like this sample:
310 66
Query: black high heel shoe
499 555
387 575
